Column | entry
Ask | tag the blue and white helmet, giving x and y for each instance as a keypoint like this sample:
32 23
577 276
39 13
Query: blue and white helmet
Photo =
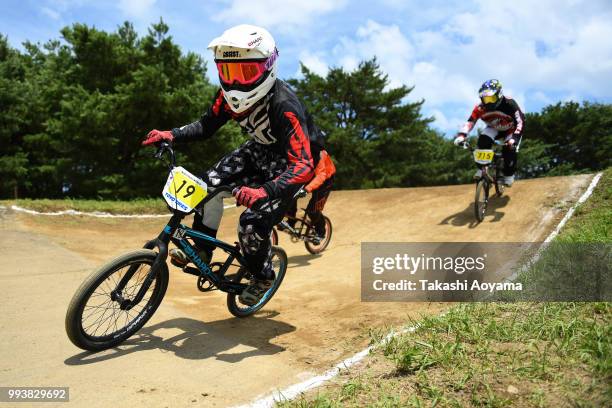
490 93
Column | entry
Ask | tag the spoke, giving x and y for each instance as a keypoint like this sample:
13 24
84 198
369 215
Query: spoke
99 294
112 321
108 285
137 283
98 308
104 321
142 304
96 322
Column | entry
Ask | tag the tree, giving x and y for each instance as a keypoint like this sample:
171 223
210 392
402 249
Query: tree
573 138
377 139
79 108
13 158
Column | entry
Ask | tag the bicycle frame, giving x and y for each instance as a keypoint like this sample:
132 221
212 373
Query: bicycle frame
178 233
298 232
494 164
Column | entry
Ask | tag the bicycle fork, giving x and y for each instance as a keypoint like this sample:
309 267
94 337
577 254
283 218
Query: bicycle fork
161 243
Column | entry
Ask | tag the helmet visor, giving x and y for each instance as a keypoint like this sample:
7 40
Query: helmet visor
244 72
487 99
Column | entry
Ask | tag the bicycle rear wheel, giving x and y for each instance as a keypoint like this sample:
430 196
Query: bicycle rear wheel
317 248
95 319
481 199
279 264
274 237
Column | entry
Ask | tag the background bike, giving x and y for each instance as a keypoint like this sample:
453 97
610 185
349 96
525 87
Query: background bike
116 300
304 230
491 175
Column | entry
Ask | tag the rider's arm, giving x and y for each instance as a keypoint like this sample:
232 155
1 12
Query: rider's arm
292 126
323 171
474 116
519 117
215 117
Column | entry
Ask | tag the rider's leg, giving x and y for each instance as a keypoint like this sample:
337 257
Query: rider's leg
254 236
510 155
232 170
316 205
292 212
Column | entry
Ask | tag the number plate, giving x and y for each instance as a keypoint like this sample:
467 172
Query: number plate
483 156
184 191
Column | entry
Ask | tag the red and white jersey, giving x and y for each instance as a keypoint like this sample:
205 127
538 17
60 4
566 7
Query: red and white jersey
506 118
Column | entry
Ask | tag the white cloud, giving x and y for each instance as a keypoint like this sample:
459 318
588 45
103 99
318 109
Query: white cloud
537 49
281 16
392 49
140 9
313 62
55 15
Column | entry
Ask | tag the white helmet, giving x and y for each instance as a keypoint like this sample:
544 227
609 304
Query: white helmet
245 56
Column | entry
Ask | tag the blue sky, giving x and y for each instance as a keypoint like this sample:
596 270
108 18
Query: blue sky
543 51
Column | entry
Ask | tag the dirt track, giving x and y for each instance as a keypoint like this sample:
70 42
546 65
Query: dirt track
193 352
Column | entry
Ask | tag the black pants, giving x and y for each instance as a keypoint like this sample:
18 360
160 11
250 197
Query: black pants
252 164
315 206
509 153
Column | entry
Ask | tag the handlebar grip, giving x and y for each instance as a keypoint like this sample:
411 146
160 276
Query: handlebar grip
162 147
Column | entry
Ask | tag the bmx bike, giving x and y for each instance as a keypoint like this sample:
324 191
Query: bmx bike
116 300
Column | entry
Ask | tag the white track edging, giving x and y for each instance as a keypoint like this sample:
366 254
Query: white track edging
295 390
96 214
314 382
570 212
556 231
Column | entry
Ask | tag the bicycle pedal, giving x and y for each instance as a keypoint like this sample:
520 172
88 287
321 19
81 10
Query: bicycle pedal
191 270
177 264
204 285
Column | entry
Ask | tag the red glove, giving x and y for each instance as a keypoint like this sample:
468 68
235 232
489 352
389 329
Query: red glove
249 196
156 136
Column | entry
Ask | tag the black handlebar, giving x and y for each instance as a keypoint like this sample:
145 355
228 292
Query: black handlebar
165 147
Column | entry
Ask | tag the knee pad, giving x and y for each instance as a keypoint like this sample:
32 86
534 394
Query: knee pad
252 232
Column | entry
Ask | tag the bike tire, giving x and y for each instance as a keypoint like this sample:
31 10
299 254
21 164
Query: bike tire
233 303
74 315
480 199
318 248
274 237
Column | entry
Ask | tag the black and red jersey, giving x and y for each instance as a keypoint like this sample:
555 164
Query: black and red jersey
507 118
278 121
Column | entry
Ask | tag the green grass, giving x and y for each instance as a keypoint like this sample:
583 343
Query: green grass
137 206
489 355
592 220
524 354
577 265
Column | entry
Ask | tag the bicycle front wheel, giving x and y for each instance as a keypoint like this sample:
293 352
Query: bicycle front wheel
481 199
96 319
